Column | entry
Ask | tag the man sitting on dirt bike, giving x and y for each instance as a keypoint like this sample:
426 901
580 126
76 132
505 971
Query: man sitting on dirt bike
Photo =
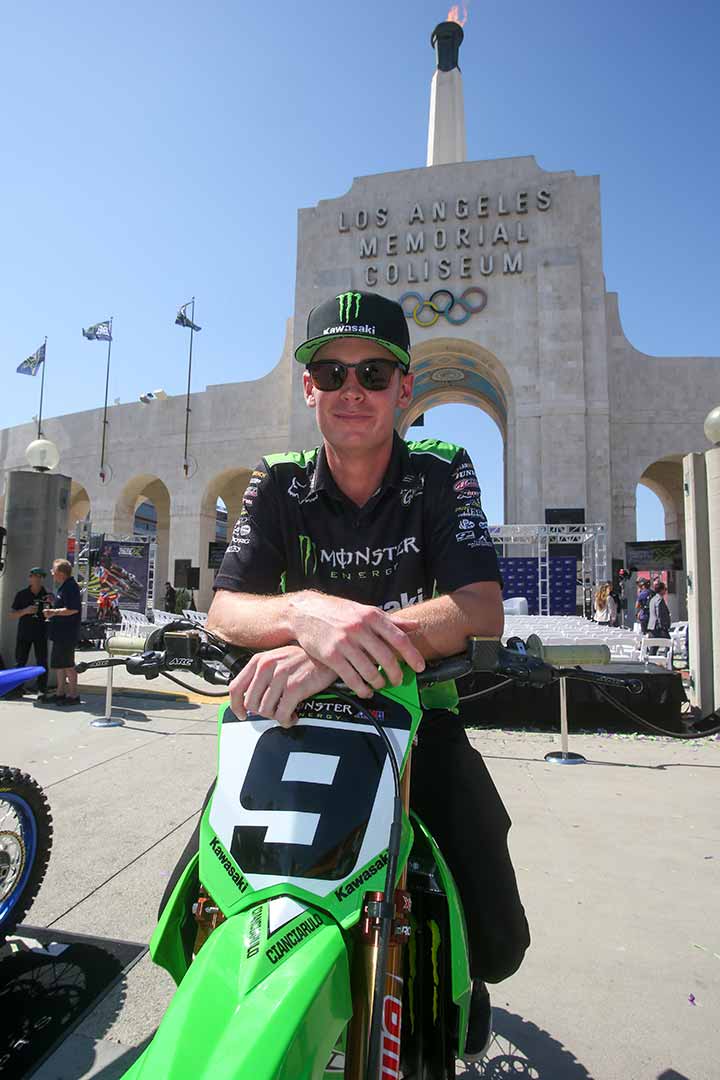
362 553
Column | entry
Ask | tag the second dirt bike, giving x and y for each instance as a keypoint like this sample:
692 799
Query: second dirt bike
25 828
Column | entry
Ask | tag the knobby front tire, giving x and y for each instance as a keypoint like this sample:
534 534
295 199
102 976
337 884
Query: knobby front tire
25 842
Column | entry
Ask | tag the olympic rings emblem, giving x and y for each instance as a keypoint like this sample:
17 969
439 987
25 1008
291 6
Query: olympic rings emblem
434 304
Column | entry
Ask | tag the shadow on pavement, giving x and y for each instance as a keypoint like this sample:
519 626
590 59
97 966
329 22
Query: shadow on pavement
522 1050
120 1066
95 703
45 994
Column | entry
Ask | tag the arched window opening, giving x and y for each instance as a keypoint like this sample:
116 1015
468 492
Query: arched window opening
472 428
649 514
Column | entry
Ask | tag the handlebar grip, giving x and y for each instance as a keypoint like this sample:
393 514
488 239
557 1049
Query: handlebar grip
568 655
454 667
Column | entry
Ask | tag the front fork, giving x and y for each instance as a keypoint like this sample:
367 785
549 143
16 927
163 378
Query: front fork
364 965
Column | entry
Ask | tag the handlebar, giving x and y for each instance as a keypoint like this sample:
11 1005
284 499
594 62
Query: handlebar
188 648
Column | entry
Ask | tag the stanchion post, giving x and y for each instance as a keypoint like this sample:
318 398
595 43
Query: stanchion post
108 720
564 756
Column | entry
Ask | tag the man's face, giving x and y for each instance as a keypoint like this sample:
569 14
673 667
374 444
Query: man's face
58 576
352 417
35 583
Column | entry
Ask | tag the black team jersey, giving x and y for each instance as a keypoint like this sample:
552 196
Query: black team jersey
423 532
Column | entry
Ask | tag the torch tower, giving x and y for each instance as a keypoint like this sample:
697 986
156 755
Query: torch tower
447 144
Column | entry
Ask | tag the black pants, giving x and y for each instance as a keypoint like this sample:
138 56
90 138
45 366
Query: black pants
453 793
656 632
22 652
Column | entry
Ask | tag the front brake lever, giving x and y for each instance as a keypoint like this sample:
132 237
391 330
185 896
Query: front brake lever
633 686
110 661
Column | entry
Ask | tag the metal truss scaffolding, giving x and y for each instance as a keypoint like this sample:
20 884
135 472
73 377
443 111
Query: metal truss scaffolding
538 538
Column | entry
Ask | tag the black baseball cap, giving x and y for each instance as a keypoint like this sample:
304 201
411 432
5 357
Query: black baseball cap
38 571
357 315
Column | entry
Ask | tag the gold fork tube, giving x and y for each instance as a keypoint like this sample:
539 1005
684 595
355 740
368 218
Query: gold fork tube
362 974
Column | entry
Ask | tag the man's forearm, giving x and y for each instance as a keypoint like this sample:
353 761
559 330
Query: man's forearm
255 622
446 622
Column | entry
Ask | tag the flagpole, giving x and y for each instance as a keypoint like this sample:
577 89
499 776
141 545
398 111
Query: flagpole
186 467
105 419
42 388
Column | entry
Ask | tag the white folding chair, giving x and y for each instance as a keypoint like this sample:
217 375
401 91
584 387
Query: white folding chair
663 659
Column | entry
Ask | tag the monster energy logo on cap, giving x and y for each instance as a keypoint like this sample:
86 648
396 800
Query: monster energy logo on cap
361 315
345 303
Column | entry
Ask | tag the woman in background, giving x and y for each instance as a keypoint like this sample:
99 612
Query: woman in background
605 606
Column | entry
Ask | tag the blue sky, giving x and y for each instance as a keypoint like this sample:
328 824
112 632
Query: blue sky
150 152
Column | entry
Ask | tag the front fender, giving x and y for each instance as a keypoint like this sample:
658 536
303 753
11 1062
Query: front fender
223 1024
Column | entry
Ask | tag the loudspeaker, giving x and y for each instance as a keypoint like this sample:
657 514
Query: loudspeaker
193 577
563 516
180 579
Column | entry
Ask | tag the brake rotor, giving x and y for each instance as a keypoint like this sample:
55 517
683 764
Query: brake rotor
12 861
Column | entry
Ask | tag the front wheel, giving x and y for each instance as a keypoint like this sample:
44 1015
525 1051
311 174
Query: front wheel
25 843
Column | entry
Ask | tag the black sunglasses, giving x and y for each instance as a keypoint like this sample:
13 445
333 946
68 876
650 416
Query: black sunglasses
374 374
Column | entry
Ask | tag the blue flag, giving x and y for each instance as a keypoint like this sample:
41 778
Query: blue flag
31 365
99 332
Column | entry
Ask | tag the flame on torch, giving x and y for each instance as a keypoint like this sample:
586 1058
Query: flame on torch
453 14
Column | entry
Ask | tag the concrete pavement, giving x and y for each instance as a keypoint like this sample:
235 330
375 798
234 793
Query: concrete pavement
618 863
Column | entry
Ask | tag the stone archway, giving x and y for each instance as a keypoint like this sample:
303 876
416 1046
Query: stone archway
229 486
78 507
459 372
665 479
137 490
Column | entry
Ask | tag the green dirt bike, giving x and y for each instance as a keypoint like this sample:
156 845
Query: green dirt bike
318 933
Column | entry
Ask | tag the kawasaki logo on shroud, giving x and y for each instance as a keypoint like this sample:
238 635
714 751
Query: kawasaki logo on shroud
223 859
292 938
349 887
345 304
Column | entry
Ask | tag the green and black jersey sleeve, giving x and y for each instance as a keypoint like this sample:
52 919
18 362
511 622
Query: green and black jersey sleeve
458 544
254 561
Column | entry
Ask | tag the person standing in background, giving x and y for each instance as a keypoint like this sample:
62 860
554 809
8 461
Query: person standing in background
605 606
27 608
170 597
659 618
63 631
642 604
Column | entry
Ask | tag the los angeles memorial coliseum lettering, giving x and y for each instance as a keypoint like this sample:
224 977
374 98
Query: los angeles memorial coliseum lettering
460 237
